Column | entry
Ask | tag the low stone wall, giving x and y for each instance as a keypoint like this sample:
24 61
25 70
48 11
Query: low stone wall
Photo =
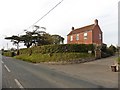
70 61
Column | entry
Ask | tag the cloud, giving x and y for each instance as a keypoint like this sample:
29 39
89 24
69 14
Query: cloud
19 15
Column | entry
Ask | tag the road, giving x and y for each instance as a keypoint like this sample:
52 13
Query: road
97 72
20 74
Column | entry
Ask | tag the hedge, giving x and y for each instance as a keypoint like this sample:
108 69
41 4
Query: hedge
8 54
62 48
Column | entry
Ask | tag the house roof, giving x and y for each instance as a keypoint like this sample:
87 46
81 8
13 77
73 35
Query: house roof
82 29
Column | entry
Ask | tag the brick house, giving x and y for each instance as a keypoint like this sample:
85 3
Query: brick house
90 34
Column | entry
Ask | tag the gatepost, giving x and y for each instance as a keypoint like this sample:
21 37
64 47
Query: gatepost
98 52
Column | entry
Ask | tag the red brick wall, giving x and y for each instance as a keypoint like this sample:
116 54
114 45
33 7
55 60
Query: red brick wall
92 37
96 32
89 38
81 38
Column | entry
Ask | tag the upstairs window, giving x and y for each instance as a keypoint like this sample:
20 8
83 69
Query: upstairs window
85 35
71 38
77 37
100 36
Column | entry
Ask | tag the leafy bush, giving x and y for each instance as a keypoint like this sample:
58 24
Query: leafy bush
113 48
62 48
9 54
110 52
106 52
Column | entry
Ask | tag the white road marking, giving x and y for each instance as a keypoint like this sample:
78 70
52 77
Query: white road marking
2 62
7 68
18 83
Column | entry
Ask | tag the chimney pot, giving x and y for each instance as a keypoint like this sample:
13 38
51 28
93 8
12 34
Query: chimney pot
96 22
72 28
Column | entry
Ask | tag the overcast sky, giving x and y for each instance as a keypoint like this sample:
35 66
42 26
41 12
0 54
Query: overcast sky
17 15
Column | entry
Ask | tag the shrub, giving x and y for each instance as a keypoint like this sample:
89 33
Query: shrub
62 48
110 52
106 52
9 54
113 48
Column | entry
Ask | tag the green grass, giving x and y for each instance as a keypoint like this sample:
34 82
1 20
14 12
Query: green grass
118 60
37 58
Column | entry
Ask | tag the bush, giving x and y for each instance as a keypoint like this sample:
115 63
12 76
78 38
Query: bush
110 52
106 52
113 48
8 54
62 48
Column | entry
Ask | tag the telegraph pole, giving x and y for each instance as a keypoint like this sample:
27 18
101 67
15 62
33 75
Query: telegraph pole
7 46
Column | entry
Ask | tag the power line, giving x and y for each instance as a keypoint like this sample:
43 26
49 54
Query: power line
46 13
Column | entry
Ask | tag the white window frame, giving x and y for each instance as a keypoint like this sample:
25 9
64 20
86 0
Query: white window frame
71 38
100 36
77 37
85 35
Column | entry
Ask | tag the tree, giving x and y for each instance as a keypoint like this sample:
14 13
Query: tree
113 48
47 39
36 37
31 37
104 48
15 39
27 40
57 39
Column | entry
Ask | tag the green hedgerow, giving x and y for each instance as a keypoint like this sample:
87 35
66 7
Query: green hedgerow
62 48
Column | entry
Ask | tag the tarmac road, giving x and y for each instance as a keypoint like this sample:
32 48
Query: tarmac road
20 74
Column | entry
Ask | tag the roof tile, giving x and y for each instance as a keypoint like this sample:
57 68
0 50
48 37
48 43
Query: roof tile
82 29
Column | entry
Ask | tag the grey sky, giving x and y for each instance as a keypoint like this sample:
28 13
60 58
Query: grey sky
17 15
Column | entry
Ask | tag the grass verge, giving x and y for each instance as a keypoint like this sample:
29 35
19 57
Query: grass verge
55 57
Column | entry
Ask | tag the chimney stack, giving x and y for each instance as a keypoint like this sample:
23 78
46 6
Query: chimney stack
96 22
72 28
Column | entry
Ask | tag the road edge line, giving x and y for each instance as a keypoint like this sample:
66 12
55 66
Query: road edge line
18 83
7 68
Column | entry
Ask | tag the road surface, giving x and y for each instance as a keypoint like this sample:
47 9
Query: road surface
97 72
20 74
